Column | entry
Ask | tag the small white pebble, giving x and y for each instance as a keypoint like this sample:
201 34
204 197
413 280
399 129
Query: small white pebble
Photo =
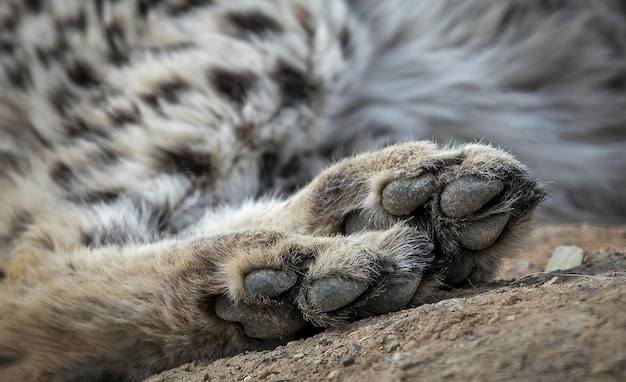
565 257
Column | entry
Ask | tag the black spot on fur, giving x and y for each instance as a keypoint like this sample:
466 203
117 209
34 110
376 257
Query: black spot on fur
187 6
186 161
121 117
253 23
99 6
62 98
268 167
170 91
292 167
232 85
166 91
83 74
62 175
18 75
106 236
106 156
116 42
48 54
144 6
99 196
33 5
346 43
77 22
10 20
7 46
246 132
2 277
78 127
160 219
20 223
293 85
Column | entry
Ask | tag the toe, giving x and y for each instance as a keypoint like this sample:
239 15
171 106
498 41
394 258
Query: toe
264 322
466 195
396 295
483 233
270 282
332 293
402 196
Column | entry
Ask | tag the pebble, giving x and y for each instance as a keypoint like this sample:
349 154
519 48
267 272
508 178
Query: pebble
391 346
347 360
452 304
565 257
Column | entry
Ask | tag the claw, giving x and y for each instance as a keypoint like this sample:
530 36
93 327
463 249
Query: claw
460 271
467 195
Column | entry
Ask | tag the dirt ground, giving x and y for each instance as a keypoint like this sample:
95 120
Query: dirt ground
528 326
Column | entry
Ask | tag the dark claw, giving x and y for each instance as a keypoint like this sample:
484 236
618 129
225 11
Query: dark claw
395 296
332 293
467 195
270 282
403 196
481 234
276 321
459 271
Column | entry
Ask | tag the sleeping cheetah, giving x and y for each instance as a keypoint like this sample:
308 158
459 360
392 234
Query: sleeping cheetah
185 179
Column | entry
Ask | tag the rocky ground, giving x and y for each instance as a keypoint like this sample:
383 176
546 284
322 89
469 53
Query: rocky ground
528 326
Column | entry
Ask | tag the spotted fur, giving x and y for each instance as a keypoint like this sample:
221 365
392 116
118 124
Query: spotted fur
137 135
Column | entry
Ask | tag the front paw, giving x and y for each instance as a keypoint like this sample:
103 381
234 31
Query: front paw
474 201
323 281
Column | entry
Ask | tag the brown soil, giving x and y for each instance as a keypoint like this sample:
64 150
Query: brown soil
534 326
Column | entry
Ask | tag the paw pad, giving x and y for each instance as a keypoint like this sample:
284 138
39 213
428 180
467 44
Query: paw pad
467 195
276 321
395 296
483 233
332 293
403 196
270 282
